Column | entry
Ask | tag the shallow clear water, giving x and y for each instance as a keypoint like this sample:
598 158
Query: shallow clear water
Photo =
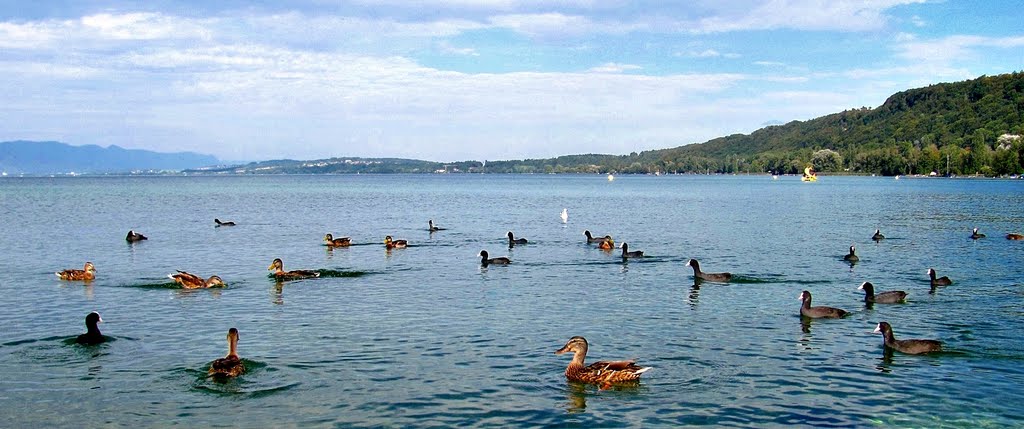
425 336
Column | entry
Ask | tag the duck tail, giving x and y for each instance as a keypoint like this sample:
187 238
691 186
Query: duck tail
56 274
644 369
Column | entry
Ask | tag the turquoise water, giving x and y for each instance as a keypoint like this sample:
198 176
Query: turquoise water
425 336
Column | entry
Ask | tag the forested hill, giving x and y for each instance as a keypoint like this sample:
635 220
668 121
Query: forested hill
976 124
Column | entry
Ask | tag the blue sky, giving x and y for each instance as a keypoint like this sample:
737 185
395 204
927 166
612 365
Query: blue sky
470 79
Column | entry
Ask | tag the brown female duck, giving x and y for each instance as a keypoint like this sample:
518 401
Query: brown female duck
278 268
395 244
606 243
1014 236
192 281
87 273
337 242
230 365
604 373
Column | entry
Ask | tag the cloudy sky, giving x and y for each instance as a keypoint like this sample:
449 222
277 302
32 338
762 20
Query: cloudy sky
470 79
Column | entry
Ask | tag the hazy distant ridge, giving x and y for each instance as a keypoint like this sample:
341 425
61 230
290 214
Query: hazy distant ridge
30 157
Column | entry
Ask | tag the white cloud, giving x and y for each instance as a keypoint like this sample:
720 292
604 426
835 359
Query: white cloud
841 15
709 53
953 48
614 68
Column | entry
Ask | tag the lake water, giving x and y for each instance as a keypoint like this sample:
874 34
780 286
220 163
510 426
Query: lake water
425 336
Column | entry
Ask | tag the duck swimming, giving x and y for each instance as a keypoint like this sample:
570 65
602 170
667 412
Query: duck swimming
499 260
278 267
606 243
192 281
852 256
941 281
87 273
976 235
592 239
230 365
219 223
1014 236
820 312
890 297
713 277
433 228
134 236
337 242
878 235
911 347
634 254
513 241
395 244
604 372
92 335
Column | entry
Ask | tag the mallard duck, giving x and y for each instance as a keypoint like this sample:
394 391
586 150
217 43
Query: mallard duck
878 235
712 277
134 236
278 267
1014 236
337 242
230 365
432 228
912 347
513 241
941 281
821 312
192 281
501 260
634 254
87 273
395 244
219 223
604 373
890 297
592 239
92 335
852 256
976 235
606 243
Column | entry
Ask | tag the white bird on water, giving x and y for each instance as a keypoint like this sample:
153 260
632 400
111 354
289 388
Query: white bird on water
565 215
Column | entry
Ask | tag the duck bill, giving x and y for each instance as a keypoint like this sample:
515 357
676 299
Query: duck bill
271 267
562 350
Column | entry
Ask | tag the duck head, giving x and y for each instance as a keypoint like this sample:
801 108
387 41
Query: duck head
276 265
575 344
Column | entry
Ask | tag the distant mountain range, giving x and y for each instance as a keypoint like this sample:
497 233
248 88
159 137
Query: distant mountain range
30 157
970 127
